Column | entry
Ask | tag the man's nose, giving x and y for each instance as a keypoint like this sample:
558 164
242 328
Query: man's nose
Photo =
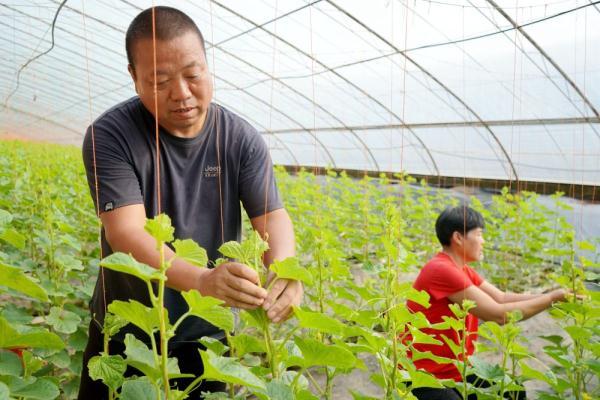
180 90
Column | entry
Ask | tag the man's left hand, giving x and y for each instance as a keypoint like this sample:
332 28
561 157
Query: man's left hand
283 294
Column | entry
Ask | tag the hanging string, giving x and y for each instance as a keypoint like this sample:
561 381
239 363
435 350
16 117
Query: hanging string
268 168
156 122
216 124
96 188
464 183
404 90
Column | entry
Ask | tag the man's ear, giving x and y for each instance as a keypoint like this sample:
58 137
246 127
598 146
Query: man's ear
133 77
457 238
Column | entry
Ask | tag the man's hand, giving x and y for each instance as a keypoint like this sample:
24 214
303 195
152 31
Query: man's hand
284 294
234 283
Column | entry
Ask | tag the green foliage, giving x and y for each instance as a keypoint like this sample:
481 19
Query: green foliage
126 264
14 278
191 252
290 268
360 243
110 369
210 309
10 338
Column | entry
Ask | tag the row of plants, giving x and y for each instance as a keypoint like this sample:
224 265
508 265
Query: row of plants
360 243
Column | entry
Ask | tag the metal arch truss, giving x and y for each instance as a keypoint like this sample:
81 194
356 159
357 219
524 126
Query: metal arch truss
354 134
436 80
562 73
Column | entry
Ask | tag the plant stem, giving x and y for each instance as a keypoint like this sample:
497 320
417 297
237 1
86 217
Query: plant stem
314 382
269 347
464 356
329 383
163 326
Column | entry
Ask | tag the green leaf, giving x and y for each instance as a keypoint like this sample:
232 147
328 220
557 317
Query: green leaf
160 228
556 339
423 379
420 337
109 369
427 355
140 357
32 362
247 344
41 389
214 345
138 389
4 391
14 278
10 363
228 370
254 246
14 238
359 396
69 263
420 297
485 370
585 245
125 263
134 312
290 269
5 217
233 250
319 321
209 309
63 321
528 372
578 333
78 340
41 339
113 324
191 252
277 389
316 353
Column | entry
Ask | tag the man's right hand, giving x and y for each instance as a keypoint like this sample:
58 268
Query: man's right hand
234 283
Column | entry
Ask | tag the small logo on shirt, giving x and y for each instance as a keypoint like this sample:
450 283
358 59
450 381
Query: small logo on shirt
108 206
212 171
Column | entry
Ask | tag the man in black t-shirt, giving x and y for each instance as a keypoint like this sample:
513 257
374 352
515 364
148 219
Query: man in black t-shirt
210 161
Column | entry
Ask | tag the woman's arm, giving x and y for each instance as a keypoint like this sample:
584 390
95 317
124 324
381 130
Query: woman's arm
488 309
504 297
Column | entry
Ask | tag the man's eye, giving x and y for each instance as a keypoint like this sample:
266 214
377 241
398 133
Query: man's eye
193 77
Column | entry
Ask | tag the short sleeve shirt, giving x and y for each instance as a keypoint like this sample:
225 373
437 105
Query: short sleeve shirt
441 277
204 182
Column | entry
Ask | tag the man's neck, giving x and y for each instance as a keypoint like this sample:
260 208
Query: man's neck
455 256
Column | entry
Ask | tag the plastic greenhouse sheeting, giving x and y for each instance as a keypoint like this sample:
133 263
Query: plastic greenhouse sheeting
475 88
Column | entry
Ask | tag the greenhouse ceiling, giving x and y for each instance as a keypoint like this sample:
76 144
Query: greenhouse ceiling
485 88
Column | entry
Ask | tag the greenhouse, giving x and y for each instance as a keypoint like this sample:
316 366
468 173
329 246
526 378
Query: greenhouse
300 199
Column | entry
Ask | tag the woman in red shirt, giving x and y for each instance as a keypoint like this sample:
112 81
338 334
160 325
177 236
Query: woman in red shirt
448 279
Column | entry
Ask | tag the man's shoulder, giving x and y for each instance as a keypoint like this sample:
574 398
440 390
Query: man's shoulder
120 120
236 124
123 112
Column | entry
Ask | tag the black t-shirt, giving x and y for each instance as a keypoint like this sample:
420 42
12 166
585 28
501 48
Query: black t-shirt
125 154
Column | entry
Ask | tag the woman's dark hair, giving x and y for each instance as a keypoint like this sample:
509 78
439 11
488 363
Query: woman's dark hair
169 24
457 219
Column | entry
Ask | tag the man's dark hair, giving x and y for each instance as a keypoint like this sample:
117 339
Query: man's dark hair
169 24
457 219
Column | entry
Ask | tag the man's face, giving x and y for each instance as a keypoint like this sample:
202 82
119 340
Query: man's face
472 245
183 83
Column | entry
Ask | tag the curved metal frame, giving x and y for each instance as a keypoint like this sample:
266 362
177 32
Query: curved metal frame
357 137
436 80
